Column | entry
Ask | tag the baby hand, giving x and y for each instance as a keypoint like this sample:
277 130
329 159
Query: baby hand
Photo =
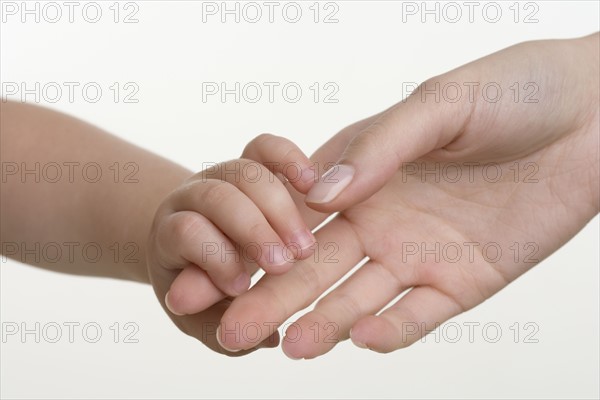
222 224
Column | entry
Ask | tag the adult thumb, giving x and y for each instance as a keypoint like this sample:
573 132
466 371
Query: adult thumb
403 133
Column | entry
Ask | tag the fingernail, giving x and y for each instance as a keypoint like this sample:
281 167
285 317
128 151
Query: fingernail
288 355
169 307
308 175
303 239
331 184
275 256
356 342
241 283
221 343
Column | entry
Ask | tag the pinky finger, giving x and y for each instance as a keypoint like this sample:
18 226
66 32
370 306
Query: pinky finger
421 311
282 156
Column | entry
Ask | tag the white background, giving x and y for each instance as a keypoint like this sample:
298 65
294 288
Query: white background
368 53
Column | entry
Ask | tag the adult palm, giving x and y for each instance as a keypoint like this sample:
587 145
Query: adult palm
528 182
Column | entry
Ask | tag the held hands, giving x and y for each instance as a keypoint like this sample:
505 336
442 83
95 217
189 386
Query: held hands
409 212
544 190
214 231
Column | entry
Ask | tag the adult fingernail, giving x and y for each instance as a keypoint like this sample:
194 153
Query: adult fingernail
170 307
241 283
331 184
221 343
308 175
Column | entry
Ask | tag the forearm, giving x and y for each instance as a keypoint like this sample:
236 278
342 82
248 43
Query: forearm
62 215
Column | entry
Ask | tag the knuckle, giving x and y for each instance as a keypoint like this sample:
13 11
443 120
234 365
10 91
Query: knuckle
292 158
215 194
253 171
343 302
258 142
437 93
213 171
370 141
287 150
183 225
429 83
264 138
177 231
394 274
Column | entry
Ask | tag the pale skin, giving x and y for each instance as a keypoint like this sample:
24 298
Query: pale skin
559 134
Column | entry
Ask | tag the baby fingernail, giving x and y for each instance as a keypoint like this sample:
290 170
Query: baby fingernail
169 306
277 256
302 239
218 334
241 283
308 175
356 342
331 184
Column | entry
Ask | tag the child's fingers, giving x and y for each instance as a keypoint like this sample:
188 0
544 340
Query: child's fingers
192 292
276 298
364 293
282 156
272 199
186 237
237 217
420 311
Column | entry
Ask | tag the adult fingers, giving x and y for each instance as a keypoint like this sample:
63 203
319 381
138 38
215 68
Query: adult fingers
403 133
275 298
421 311
365 293
282 156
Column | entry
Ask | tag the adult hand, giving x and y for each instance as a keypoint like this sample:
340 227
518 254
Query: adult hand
502 107
546 153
